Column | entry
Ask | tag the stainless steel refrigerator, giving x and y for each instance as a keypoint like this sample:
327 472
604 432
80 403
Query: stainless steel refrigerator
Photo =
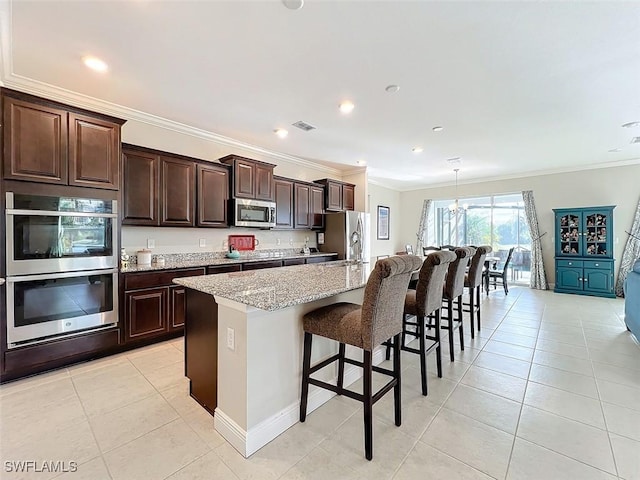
348 234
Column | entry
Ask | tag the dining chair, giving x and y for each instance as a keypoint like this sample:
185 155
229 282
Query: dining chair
429 249
502 274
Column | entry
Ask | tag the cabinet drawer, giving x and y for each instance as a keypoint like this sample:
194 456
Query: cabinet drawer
259 265
293 261
570 263
319 259
597 264
214 269
133 281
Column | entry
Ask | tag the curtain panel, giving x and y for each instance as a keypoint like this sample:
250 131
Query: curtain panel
422 227
538 275
630 253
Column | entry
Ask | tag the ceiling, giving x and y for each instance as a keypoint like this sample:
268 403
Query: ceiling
519 87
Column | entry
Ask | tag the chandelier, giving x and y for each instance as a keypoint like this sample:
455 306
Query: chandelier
455 206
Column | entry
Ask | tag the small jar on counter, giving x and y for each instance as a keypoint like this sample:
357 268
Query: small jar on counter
158 260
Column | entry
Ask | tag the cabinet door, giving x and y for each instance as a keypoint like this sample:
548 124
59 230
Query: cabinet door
261 265
569 227
317 207
177 182
213 196
569 278
284 203
141 184
245 182
264 182
145 313
334 196
348 197
598 280
35 142
302 209
177 307
94 152
598 231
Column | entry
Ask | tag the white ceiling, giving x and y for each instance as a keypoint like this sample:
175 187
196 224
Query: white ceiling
519 87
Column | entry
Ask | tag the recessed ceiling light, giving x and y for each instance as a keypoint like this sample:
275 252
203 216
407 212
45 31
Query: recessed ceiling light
437 129
293 4
346 107
95 64
615 150
392 88
635 140
417 150
281 132
631 124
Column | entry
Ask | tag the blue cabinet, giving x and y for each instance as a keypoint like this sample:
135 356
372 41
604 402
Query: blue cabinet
584 251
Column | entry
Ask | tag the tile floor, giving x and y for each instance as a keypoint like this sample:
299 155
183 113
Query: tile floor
550 389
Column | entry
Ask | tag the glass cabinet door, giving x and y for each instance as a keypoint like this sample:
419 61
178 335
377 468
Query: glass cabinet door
596 233
570 228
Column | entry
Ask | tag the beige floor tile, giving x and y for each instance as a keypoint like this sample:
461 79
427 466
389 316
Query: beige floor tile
156 359
577 440
321 465
571 382
474 443
612 373
518 320
179 398
509 350
451 370
566 404
32 382
518 329
427 462
167 376
624 345
485 407
207 467
626 452
252 468
568 338
417 412
502 364
92 470
514 339
532 462
330 415
491 381
622 421
563 362
560 348
132 421
619 394
631 362
201 422
171 447
439 388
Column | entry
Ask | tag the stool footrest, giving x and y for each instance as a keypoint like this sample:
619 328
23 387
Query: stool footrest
326 362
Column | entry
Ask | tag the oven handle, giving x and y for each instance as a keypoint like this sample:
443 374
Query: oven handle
52 276
52 213
1 281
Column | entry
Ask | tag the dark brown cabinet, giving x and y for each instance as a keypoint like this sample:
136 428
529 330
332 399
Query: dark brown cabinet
213 195
177 307
261 264
215 269
146 312
316 212
48 142
301 198
284 202
339 195
141 186
177 186
251 178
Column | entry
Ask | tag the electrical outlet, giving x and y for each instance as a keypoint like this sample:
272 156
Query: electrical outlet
231 338
277 241
203 242
291 242
151 243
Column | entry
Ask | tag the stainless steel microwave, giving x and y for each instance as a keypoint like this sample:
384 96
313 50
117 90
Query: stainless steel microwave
253 213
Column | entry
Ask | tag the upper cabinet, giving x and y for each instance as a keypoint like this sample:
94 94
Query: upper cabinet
283 188
299 205
48 142
251 178
164 189
339 195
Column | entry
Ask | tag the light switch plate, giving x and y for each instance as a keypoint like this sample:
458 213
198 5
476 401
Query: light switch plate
203 242
231 338
151 243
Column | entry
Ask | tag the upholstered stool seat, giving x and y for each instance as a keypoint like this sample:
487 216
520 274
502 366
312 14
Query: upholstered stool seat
367 326
473 281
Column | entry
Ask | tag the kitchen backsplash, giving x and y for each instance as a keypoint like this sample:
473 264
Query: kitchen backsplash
188 240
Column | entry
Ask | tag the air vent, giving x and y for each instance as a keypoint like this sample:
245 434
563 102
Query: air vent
454 161
303 126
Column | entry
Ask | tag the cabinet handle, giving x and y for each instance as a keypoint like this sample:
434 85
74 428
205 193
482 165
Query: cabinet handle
570 263
597 264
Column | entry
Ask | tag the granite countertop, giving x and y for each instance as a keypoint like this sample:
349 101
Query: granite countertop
185 261
277 288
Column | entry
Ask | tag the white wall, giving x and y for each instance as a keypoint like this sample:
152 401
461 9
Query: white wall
379 195
186 240
618 186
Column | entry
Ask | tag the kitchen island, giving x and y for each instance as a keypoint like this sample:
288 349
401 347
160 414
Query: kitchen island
243 344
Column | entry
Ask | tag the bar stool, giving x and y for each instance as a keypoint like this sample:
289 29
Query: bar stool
425 302
378 319
473 281
453 290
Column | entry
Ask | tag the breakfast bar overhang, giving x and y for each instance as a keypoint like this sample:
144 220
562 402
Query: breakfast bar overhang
244 339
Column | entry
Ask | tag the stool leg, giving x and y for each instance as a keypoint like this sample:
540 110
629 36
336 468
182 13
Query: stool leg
368 405
461 327
472 292
479 300
397 400
438 349
340 368
450 317
306 366
387 353
423 354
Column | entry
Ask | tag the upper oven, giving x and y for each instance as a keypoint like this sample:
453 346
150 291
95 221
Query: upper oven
253 213
48 234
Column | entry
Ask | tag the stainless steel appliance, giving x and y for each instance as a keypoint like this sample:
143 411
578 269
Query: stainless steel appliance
62 276
347 234
253 213
59 234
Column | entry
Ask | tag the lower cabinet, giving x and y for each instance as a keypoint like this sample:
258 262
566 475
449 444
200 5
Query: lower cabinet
588 277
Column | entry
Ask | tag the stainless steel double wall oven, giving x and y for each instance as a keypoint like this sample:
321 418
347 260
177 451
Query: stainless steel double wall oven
61 266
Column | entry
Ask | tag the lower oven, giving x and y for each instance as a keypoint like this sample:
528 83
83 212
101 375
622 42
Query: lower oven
46 306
